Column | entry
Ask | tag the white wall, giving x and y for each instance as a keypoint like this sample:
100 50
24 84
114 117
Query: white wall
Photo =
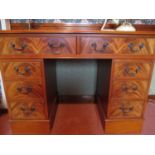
152 87
4 104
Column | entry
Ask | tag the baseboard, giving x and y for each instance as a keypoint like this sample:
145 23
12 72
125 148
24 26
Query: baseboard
77 98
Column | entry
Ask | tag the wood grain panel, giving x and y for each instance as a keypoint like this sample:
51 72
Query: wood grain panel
19 70
136 46
118 45
25 89
96 45
38 45
132 69
125 109
129 89
27 110
59 45
19 45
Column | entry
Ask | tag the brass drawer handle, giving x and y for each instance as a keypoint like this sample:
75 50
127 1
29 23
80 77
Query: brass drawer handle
28 111
53 46
129 89
126 109
25 71
13 46
134 49
132 72
24 90
105 45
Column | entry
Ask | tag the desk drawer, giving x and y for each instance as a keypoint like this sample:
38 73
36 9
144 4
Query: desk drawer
20 69
19 45
126 109
59 45
117 45
24 89
27 109
96 45
129 89
136 46
38 45
132 69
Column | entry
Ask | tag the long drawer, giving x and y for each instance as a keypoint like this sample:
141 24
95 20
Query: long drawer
55 44
118 45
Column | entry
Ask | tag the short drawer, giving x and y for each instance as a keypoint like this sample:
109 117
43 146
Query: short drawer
18 70
19 45
132 69
96 45
135 46
125 108
58 45
24 89
129 89
25 109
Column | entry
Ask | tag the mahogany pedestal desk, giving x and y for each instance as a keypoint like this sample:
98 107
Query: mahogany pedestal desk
28 67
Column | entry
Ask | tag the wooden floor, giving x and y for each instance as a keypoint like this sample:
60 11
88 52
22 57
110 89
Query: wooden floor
82 119
77 119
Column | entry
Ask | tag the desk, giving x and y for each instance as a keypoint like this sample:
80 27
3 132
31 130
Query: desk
28 65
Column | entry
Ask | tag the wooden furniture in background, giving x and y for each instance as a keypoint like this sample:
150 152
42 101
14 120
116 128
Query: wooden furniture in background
28 64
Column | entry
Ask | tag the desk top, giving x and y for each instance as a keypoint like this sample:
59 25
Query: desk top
74 31
60 28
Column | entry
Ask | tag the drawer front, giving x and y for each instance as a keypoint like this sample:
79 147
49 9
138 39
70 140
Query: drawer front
117 45
131 45
38 45
18 70
129 89
27 109
19 45
126 109
59 45
96 45
132 69
24 89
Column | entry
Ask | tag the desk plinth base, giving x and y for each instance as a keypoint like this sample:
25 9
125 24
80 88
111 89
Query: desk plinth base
123 126
30 127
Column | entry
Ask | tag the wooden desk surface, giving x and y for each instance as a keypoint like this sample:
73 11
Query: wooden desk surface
75 31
